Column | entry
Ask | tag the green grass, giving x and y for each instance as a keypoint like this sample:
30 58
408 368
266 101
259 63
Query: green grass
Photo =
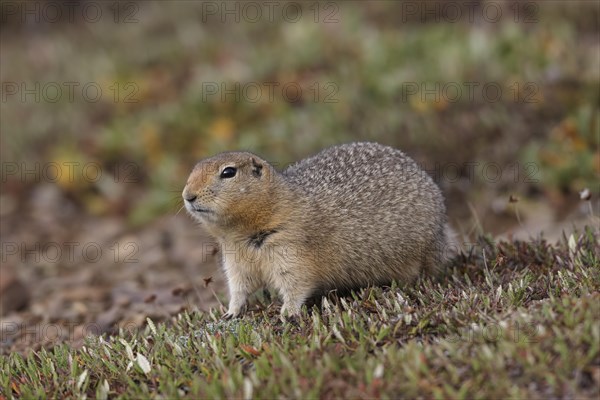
513 320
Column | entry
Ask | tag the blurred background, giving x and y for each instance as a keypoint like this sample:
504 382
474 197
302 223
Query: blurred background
107 105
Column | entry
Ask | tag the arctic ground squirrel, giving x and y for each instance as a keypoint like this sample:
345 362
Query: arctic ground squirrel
354 215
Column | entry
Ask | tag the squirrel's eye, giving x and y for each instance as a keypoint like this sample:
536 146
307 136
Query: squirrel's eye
228 172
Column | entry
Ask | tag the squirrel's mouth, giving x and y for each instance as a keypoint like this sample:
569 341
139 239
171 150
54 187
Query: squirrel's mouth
193 208
201 209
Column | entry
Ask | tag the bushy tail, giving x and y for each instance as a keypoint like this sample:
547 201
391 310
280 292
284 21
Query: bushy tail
453 243
449 246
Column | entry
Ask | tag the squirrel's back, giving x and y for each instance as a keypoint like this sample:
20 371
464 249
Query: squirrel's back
376 205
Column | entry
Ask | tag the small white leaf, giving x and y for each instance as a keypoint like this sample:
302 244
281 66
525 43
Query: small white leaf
572 245
151 325
81 379
337 334
378 373
585 194
128 349
248 388
143 363
103 389
176 348
326 305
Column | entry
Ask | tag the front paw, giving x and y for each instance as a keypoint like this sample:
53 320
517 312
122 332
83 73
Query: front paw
234 312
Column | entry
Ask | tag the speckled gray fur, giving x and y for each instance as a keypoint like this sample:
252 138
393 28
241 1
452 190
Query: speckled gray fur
382 209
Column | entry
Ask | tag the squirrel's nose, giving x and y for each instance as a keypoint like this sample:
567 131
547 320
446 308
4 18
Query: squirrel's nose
189 197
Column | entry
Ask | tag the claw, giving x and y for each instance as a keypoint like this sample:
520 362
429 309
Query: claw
227 316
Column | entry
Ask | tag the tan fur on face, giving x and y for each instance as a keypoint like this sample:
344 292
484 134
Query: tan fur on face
227 200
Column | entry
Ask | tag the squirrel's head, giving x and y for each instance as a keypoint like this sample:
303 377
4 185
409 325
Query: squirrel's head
229 190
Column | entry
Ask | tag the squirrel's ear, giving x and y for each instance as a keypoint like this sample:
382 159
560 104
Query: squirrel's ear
256 168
